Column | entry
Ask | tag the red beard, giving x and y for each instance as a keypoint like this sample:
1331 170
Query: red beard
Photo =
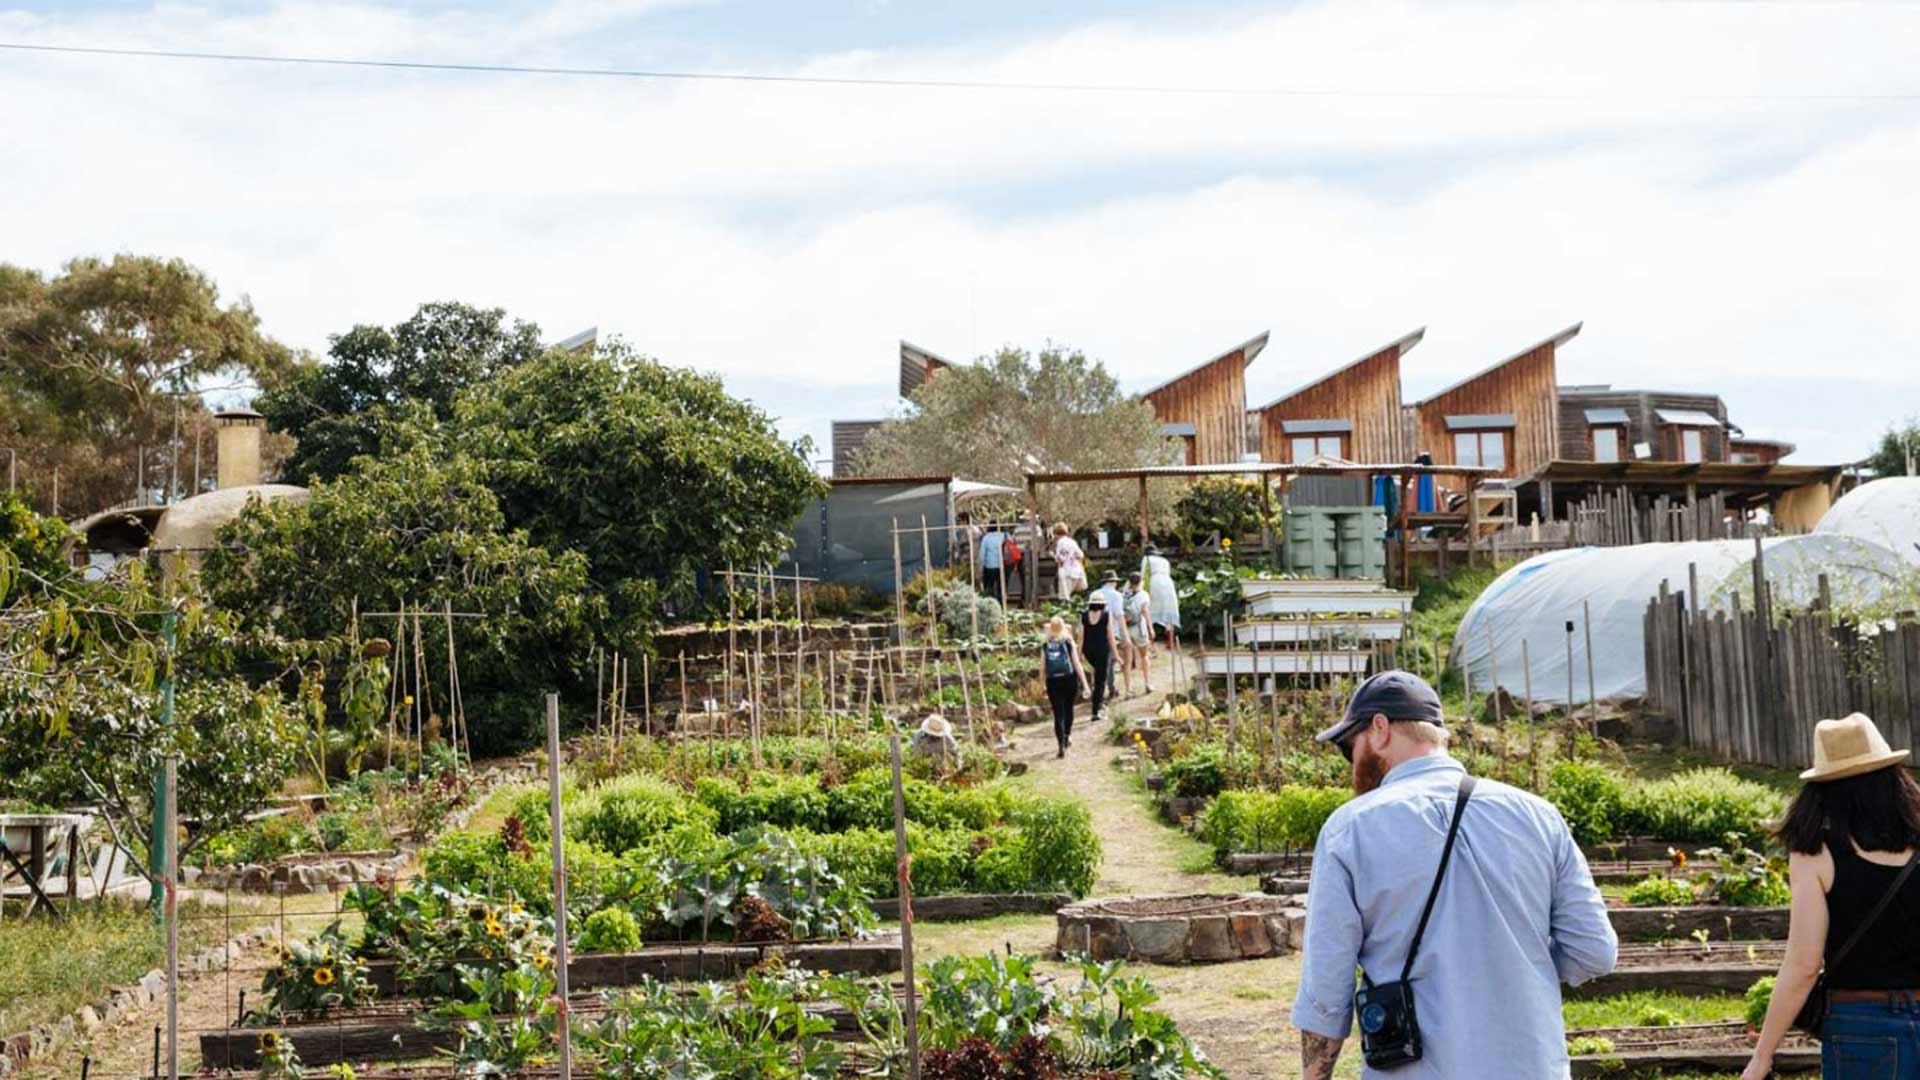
1369 770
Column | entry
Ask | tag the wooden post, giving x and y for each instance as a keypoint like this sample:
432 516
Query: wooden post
1473 519
1143 512
1233 691
926 567
905 883
899 585
600 691
646 692
558 833
1266 509
1572 744
1593 698
733 626
1533 733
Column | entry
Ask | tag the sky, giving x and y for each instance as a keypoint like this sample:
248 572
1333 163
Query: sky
1721 192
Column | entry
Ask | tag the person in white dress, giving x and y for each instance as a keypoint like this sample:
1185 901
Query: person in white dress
1071 561
1163 597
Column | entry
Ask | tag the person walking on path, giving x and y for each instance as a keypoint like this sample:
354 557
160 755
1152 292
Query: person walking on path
1853 837
1070 562
993 549
1066 678
1138 633
1163 596
1109 594
1098 643
1485 876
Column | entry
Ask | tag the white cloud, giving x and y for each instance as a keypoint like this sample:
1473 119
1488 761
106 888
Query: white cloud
786 232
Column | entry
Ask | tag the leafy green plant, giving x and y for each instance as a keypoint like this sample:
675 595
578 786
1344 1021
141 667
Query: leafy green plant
506 1018
1206 770
1227 506
958 607
1654 1016
1589 1046
313 978
279 1058
1657 890
1266 821
1759 999
612 930
1700 805
1590 797
758 1028
1743 877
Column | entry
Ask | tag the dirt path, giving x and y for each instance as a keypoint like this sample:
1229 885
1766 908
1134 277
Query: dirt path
1236 1012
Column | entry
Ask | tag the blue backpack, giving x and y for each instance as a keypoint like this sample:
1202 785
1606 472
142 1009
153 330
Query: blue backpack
1059 658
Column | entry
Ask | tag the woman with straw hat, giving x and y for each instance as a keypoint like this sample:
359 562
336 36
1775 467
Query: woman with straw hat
1852 969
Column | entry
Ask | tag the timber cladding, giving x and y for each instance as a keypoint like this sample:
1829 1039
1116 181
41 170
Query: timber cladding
1213 398
1643 423
1518 395
1364 396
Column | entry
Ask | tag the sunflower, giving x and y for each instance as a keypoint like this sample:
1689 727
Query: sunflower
269 1041
494 929
541 962
323 976
479 913
1225 542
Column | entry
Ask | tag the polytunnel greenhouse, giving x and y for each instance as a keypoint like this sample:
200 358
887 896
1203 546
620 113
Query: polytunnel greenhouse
1555 603
1885 512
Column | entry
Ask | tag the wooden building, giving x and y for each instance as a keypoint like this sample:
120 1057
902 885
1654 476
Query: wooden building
917 365
1505 418
1352 413
1604 424
1205 407
1745 450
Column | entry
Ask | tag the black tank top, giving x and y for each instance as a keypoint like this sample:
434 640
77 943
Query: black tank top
1094 641
1887 957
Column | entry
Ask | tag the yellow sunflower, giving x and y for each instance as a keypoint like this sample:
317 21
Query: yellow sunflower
323 976
542 962
494 929
269 1041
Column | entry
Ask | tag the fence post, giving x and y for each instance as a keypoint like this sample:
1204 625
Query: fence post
170 783
905 889
1593 696
559 884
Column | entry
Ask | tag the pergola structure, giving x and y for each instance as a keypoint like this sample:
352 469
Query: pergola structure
1405 474
1797 492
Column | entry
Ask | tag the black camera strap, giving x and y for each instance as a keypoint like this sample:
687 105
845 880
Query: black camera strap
1446 855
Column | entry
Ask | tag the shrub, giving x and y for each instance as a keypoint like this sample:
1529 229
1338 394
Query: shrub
1061 850
1590 797
1658 891
1655 1016
631 811
959 606
610 930
1759 997
1257 821
835 600
1206 771
790 802
1588 1045
1701 805
1226 505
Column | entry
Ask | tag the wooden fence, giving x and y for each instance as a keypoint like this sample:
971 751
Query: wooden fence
1614 518
1744 686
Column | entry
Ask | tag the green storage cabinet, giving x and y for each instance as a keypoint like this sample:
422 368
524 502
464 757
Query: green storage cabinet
1336 541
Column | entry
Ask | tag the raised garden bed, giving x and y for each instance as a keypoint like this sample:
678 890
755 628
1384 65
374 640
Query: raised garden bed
1719 921
687 962
1191 929
1296 864
1720 1047
1685 968
1177 809
963 907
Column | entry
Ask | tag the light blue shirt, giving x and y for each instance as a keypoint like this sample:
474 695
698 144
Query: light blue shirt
1116 604
1518 914
992 547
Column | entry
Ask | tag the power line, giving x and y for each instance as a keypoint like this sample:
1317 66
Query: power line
935 84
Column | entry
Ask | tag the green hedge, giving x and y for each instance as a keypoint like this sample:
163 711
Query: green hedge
1696 806
1268 821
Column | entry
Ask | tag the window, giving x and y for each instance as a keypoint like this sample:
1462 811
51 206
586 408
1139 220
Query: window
1308 447
1692 445
1606 443
1480 448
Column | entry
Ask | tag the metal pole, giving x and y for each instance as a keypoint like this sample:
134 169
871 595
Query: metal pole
1593 698
168 781
1233 692
1572 745
906 909
161 839
559 883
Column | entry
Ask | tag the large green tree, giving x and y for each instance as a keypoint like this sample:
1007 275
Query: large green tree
653 473
101 363
1898 452
1017 412
423 529
342 409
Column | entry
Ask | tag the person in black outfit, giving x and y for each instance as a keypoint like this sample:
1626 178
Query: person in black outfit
1853 832
1097 644
1066 678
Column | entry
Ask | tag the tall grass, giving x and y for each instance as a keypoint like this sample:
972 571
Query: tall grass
48 969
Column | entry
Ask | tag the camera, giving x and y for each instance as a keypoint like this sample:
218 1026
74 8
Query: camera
1389 1030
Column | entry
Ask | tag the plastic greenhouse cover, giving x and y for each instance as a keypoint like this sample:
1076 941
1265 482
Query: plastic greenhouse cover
1535 602
1885 511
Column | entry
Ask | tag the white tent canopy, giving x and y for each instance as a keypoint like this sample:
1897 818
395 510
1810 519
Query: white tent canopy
1536 602
1884 511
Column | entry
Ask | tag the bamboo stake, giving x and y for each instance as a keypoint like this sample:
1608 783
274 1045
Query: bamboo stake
926 567
646 690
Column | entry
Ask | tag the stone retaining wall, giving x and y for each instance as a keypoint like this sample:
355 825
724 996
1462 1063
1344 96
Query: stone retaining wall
1191 929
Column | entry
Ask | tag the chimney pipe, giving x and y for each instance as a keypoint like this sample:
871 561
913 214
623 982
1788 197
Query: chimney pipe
237 447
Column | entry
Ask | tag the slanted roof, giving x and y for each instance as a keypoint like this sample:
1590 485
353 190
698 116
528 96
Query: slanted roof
1687 417
1400 345
1249 349
916 364
1555 341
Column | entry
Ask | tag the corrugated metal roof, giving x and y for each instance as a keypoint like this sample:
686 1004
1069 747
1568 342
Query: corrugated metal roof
1480 421
1606 416
1687 417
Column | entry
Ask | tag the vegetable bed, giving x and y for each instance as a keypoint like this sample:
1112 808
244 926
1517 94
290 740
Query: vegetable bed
1718 1047
1686 968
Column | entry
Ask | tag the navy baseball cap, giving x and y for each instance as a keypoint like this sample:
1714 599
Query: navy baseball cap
1397 695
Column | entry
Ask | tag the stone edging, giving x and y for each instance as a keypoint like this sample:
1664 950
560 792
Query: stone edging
38 1040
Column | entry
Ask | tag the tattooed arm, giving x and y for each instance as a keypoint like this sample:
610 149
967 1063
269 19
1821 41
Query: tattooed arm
1317 1055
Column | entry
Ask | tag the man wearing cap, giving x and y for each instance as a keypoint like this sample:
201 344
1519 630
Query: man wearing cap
1515 915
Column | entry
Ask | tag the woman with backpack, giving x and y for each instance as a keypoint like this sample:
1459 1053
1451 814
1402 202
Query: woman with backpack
1137 634
1060 665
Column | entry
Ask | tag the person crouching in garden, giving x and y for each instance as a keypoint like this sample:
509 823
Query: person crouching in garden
1853 942
1467 897
1066 679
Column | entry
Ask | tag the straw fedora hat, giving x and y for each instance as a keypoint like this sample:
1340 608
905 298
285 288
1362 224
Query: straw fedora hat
1849 747
936 727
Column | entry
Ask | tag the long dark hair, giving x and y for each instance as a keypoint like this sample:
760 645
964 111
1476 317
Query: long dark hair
1880 810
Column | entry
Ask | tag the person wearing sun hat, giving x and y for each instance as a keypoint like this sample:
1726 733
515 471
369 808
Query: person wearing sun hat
1852 834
